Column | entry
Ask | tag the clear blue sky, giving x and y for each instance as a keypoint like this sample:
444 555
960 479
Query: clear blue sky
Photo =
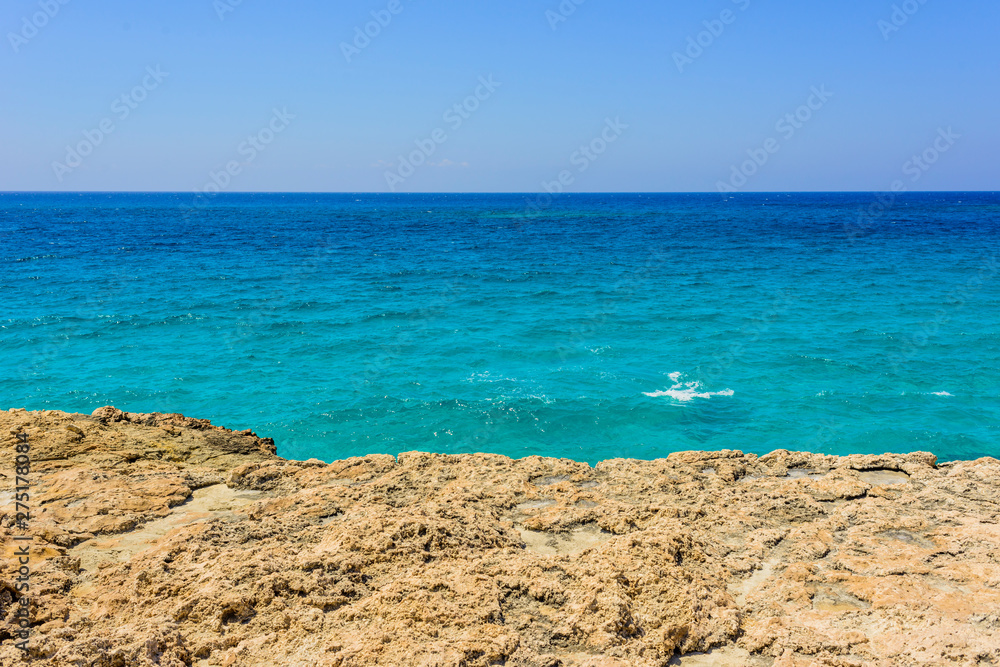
352 120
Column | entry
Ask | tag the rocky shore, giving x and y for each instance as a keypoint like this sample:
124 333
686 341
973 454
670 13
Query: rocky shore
164 540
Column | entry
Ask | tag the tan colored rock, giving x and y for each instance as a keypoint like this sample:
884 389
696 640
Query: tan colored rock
163 540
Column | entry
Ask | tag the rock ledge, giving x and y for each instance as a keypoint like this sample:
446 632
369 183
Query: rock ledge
165 540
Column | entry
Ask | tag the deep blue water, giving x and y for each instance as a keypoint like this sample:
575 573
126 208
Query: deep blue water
589 327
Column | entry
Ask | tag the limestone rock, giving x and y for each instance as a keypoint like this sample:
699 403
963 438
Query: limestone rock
164 540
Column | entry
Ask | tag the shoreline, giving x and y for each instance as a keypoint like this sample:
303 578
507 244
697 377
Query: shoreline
162 539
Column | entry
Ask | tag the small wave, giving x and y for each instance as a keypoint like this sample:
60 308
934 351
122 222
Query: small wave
36 257
487 376
941 393
687 391
392 315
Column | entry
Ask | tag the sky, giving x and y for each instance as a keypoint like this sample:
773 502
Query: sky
499 96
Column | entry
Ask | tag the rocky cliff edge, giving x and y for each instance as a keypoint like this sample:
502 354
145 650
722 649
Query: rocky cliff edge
164 540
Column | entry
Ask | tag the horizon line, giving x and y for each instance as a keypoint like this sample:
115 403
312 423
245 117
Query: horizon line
518 193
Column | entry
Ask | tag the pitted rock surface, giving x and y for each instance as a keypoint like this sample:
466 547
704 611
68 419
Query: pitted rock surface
164 540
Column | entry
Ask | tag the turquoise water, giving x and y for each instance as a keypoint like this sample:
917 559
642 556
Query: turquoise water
586 327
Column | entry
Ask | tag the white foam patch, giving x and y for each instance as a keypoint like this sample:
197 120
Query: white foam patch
687 391
942 393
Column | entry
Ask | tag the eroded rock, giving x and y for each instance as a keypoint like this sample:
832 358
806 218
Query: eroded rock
164 540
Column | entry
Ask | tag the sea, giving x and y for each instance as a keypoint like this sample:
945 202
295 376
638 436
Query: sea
582 326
